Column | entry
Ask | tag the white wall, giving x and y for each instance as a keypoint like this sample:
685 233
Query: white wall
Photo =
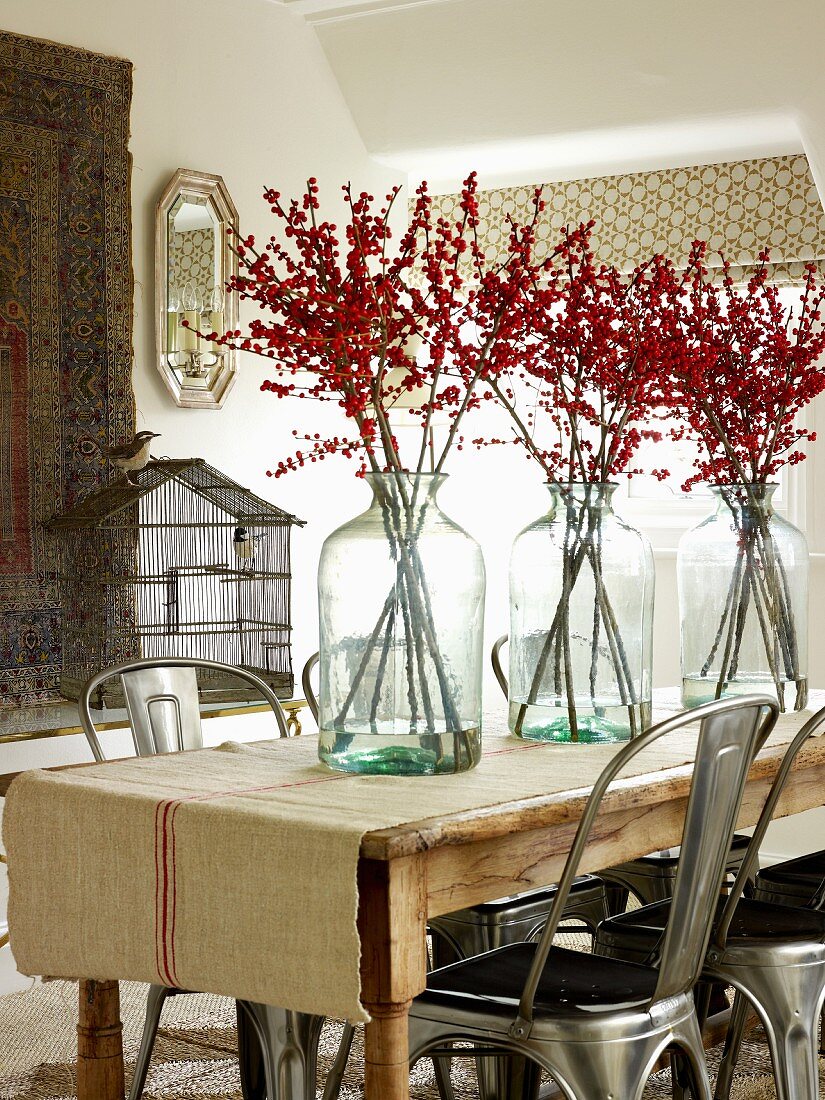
240 88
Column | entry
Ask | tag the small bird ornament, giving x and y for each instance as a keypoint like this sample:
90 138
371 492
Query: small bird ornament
245 546
133 456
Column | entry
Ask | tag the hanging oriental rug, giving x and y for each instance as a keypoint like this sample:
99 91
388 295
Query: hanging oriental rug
65 324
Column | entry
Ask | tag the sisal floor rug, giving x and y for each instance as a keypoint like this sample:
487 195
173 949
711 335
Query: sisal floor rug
195 1053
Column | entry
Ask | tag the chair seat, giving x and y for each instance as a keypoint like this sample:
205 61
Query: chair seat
805 870
635 934
572 982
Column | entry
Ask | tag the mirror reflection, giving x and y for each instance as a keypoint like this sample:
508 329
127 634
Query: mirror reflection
195 289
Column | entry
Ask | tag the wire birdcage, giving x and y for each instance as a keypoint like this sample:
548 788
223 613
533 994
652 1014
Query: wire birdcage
183 562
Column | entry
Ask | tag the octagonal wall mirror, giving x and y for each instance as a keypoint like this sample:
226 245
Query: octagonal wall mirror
193 262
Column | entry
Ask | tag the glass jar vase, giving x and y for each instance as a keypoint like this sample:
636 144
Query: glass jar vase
401 601
581 622
743 601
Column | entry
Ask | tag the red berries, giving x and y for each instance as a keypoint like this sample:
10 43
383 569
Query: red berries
743 366
603 356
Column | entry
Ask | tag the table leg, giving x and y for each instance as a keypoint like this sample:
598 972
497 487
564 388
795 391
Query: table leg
392 921
99 1042
386 1053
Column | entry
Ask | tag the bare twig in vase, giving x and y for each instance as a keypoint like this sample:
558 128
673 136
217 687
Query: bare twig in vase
593 361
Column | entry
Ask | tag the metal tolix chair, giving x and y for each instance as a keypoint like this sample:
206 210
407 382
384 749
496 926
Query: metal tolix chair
162 704
649 878
597 1024
468 932
773 955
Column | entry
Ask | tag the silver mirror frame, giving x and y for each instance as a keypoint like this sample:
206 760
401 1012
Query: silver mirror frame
212 189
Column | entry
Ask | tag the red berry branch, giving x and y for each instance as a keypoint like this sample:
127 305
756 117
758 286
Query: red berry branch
590 370
584 359
342 315
743 366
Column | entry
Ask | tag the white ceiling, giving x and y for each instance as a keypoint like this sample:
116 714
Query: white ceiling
551 89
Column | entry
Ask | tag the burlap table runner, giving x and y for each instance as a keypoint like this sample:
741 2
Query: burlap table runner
233 870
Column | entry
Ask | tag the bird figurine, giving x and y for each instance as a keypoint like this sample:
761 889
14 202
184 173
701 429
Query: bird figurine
244 545
133 456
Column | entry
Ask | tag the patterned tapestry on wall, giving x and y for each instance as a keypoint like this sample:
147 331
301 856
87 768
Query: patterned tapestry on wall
65 324
737 207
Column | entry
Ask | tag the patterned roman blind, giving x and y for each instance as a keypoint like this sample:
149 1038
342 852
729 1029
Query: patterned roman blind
739 208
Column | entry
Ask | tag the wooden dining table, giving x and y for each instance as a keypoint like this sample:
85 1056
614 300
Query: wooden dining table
418 870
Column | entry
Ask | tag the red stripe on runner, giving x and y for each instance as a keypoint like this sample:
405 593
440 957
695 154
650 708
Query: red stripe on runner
157 896
166 886
172 940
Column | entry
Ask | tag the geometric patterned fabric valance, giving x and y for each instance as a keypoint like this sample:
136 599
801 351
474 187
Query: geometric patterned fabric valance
739 208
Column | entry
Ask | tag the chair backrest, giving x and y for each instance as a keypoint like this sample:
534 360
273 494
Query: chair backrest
750 864
306 685
495 660
162 702
731 732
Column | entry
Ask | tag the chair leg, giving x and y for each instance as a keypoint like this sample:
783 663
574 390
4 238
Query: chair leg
681 1076
617 1069
260 1055
789 1004
250 1057
507 1078
289 1041
444 1084
796 1065
154 1006
701 996
616 898
591 914
693 1061
339 1066
733 1045
794 1051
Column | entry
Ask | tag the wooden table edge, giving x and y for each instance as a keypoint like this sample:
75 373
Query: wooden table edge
557 808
